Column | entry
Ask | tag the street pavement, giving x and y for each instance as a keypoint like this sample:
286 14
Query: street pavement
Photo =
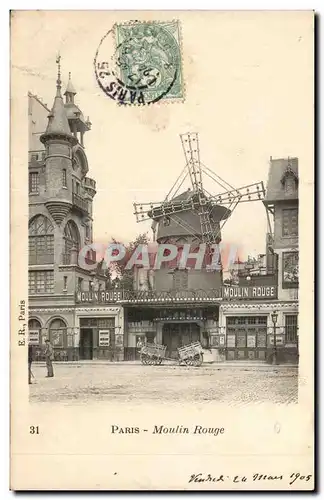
132 382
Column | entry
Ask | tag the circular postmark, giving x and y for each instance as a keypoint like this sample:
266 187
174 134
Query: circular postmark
140 62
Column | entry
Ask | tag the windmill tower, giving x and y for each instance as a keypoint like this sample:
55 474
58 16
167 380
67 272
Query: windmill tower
193 217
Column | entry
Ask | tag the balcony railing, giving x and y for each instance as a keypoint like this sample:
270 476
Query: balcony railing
67 259
90 183
38 259
80 203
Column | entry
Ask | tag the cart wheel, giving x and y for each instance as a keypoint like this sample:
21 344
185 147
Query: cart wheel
144 359
198 359
155 360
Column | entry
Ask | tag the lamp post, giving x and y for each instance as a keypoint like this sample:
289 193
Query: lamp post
248 269
274 317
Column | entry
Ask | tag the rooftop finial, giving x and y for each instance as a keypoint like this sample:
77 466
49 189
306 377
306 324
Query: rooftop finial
69 75
58 81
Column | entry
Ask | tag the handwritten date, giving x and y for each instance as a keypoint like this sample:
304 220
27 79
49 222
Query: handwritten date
209 478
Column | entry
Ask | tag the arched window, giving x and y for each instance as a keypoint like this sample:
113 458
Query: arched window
57 331
34 329
41 240
71 237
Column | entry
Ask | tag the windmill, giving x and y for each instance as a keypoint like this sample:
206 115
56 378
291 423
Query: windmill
208 212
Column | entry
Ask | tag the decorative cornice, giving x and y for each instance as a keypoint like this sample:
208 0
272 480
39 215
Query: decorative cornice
268 305
115 310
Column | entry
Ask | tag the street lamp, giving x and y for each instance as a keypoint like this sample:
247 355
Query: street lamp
274 317
248 268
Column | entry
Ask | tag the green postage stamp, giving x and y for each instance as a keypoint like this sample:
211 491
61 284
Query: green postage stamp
146 65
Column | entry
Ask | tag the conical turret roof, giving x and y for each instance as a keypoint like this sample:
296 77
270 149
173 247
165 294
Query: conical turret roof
57 120
70 88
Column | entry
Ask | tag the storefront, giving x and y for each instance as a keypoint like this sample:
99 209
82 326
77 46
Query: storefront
83 332
250 333
173 326
101 332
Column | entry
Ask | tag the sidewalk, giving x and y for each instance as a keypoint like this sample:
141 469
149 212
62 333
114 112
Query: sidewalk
212 364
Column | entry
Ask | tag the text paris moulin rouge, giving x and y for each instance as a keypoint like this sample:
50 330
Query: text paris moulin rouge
163 429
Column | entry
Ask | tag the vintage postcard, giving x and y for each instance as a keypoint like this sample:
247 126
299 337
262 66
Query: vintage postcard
162 288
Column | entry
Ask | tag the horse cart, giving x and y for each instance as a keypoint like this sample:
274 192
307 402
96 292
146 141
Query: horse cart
191 354
154 354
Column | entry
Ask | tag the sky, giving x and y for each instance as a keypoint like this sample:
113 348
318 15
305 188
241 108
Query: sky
248 93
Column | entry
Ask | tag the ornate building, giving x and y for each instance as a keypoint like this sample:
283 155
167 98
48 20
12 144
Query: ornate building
60 224
69 304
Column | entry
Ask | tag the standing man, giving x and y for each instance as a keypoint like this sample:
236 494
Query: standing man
49 356
30 360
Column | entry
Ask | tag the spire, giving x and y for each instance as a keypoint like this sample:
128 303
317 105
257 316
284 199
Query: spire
70 90
57 119
58 81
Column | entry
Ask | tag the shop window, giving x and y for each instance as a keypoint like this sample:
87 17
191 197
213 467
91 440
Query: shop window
241 339
262 339
40 282
290 222
262 320
291 327
57 331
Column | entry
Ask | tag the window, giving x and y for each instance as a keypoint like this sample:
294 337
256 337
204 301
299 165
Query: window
65 283
64 177
56 332
87 231
290 184
291 327
290 222
33 182
290 268
71 238
77 185
41 240
40 282
80 284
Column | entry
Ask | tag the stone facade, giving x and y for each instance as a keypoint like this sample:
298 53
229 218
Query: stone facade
60 226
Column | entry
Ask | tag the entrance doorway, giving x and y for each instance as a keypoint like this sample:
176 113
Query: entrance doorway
86 343
176 335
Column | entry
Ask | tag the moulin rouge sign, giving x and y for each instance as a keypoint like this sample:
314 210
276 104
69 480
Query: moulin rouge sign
219 294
